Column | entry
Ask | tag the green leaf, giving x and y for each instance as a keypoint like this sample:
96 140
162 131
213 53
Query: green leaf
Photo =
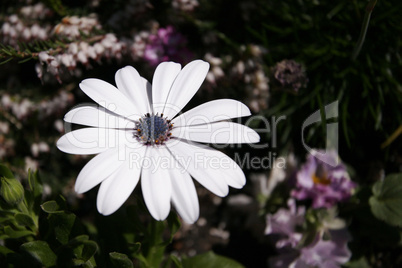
120 260
142 259
5 172
11 233
176 261
78 240
360 263
25 60
64 225
11 190
210 259
35 184
4 250
386 202
51 207
78 251
25 220
135 247
33 195
89 250
41 252
5 61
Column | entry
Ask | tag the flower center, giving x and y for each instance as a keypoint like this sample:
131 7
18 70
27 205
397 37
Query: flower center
320 179
153 129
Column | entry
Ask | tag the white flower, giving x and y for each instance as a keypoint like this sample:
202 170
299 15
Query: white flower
138 135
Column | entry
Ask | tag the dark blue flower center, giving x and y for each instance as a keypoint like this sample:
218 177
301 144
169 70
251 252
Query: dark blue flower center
153 129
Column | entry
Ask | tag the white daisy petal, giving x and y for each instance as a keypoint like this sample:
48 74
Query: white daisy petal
115 190
95 140
217 133
156 182
103 189
184 87
109 97
184 195
148 86
95 116
212 111
194 158
220 165
129 81
97 170
162 82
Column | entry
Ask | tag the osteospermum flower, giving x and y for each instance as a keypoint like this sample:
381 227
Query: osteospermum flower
324 184
136 133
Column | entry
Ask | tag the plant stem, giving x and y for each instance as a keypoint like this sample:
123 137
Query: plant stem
363 31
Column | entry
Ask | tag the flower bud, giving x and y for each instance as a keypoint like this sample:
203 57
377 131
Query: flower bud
11 190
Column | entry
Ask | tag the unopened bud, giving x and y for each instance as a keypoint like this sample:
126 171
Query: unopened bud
11 190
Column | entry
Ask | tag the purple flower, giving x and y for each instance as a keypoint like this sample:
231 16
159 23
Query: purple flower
165 45
324 184
287 226
326 253
330 253
284 223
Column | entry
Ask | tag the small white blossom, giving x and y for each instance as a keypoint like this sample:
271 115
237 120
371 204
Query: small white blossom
4 127
59 125
185 5
31 164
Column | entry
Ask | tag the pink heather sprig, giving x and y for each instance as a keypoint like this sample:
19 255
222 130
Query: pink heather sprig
167 44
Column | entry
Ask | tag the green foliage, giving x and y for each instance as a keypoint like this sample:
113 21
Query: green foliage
360 263
322 36
57 6
155 241
369 10
33 241
5 172
120 260
386 202
17 219
63 225
27 51
210 259
40 253
47 234
371 236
